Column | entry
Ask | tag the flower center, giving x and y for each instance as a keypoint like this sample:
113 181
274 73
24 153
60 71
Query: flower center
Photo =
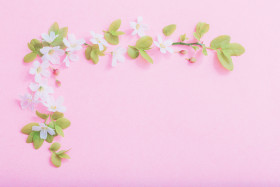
73 45
51 52
39 69
44 128
41 88
162 45
53 107
137 26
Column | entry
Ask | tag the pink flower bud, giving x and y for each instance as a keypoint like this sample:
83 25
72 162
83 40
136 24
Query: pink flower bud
183 52
192 60
57 83
56 72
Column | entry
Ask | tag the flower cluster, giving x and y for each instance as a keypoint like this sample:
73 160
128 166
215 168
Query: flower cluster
57 45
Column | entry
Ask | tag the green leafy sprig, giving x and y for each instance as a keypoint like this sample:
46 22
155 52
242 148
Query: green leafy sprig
112 35
57 156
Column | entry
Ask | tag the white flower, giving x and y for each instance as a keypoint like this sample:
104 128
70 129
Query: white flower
40 69
55 105
164 45
98 39
44 130
49 38
70 56
139 27
72 43
52 54
28 101
41 89
118 55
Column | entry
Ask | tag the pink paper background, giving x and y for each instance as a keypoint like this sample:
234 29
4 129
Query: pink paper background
168 124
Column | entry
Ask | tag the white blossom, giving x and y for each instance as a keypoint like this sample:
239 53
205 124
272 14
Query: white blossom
138 27
164 45
44 130
52 54
118 56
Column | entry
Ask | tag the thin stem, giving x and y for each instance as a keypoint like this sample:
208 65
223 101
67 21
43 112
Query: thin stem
188 44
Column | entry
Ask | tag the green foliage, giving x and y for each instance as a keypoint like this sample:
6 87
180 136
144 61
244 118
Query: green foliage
201 29
41 115
37 141
225 50
169 29
92 53
57 115
27 129
56 157
54 28
183 37
62 33
30 137
59 130
30 57
55 146
204 51
143 44
112 35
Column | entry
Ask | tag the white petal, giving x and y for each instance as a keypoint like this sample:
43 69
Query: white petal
133 25
45 37
43 134
45 50
159 39
36 128
139 19
66 42
170 50
162 50
73 57
33 86
50 131
101 47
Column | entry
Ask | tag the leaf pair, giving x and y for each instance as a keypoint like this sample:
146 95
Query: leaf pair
62 33
112 35
143 44
169 29
57 156
34 45
225 50
33 136
201 29
92 53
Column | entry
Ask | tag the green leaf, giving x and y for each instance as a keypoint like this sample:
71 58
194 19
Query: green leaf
41 115
195 47
64 155
111 39
50 138
115 25
36 44
144 42
183 37
225 60
201 29
63 123
56 160
132 52
37 141
117 33
204 51
58 41
27 129
169 29
63 32
30 137
146 56
220 42
54 28
57 115
87 52
94 56
59 130
31 47
30 57
55 146
234 49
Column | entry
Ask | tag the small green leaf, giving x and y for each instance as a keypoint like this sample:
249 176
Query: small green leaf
115 25
225 60
195 47
132 52
111 39
220 42
169 29
31 47
183 37
204 51
55 146
41 115
37 141
54 28
94 56
27 129
36 44
234 49
58 41
201 29
30 57
30 137
56 160
50 138
146 56
87 52
116 33
59 130
63 32
57 115
61 152
64 155
144 42
63 123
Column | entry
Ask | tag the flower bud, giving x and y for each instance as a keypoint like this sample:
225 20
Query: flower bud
192 60
57 83
183 52
56 72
